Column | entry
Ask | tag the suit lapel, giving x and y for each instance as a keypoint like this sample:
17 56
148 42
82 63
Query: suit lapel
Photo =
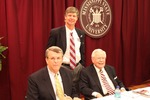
95 76
64 81
110 74
79 34
63 37
48 83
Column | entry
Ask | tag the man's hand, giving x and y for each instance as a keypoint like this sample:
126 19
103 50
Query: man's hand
99 95
123 89
67 98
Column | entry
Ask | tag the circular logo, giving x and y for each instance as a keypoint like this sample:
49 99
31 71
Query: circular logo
95 17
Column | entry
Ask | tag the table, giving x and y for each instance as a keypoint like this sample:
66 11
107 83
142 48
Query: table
130 95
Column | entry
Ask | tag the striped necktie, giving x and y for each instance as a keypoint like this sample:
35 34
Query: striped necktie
59 90
72 52
106 84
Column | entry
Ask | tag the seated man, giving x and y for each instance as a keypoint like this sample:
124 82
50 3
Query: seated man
52 82
99 79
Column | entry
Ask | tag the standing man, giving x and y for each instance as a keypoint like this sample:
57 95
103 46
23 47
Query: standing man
52 82
74 50
99 79
61 37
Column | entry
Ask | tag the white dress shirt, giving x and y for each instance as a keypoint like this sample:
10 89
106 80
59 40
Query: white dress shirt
66 57
52 78
107 78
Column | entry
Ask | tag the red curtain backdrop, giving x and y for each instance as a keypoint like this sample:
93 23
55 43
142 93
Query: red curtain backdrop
26 24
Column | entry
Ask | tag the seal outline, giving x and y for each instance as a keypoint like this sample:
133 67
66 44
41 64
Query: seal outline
83 26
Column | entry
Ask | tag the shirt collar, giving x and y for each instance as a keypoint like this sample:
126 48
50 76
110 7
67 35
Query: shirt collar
52 73
97 69
68 30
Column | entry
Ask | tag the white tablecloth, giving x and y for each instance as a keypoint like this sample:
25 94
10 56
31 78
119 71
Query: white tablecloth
129 95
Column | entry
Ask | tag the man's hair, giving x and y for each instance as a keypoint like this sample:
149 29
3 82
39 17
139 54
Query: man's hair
54 49
98 50
72 10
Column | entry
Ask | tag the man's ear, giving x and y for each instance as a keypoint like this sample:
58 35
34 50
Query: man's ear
46 59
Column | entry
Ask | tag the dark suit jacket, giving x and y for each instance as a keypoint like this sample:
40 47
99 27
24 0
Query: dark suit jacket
89 81
58 38
40 86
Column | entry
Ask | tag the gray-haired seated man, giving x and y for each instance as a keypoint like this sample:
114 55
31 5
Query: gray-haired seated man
99 79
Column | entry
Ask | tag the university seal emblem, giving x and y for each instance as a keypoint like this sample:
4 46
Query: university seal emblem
95 17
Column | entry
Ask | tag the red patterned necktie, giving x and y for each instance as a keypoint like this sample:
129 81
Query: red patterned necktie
105 83
72 52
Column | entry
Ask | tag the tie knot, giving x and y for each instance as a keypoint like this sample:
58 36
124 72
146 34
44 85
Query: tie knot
71 33
100 71
56 75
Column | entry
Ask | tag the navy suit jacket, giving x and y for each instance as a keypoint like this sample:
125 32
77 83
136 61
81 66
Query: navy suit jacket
89 81
58 38
40 86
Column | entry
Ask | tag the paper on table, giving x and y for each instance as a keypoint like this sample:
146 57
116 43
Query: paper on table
143 92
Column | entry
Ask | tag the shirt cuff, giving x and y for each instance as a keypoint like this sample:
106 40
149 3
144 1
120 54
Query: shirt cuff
94 94
122 88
